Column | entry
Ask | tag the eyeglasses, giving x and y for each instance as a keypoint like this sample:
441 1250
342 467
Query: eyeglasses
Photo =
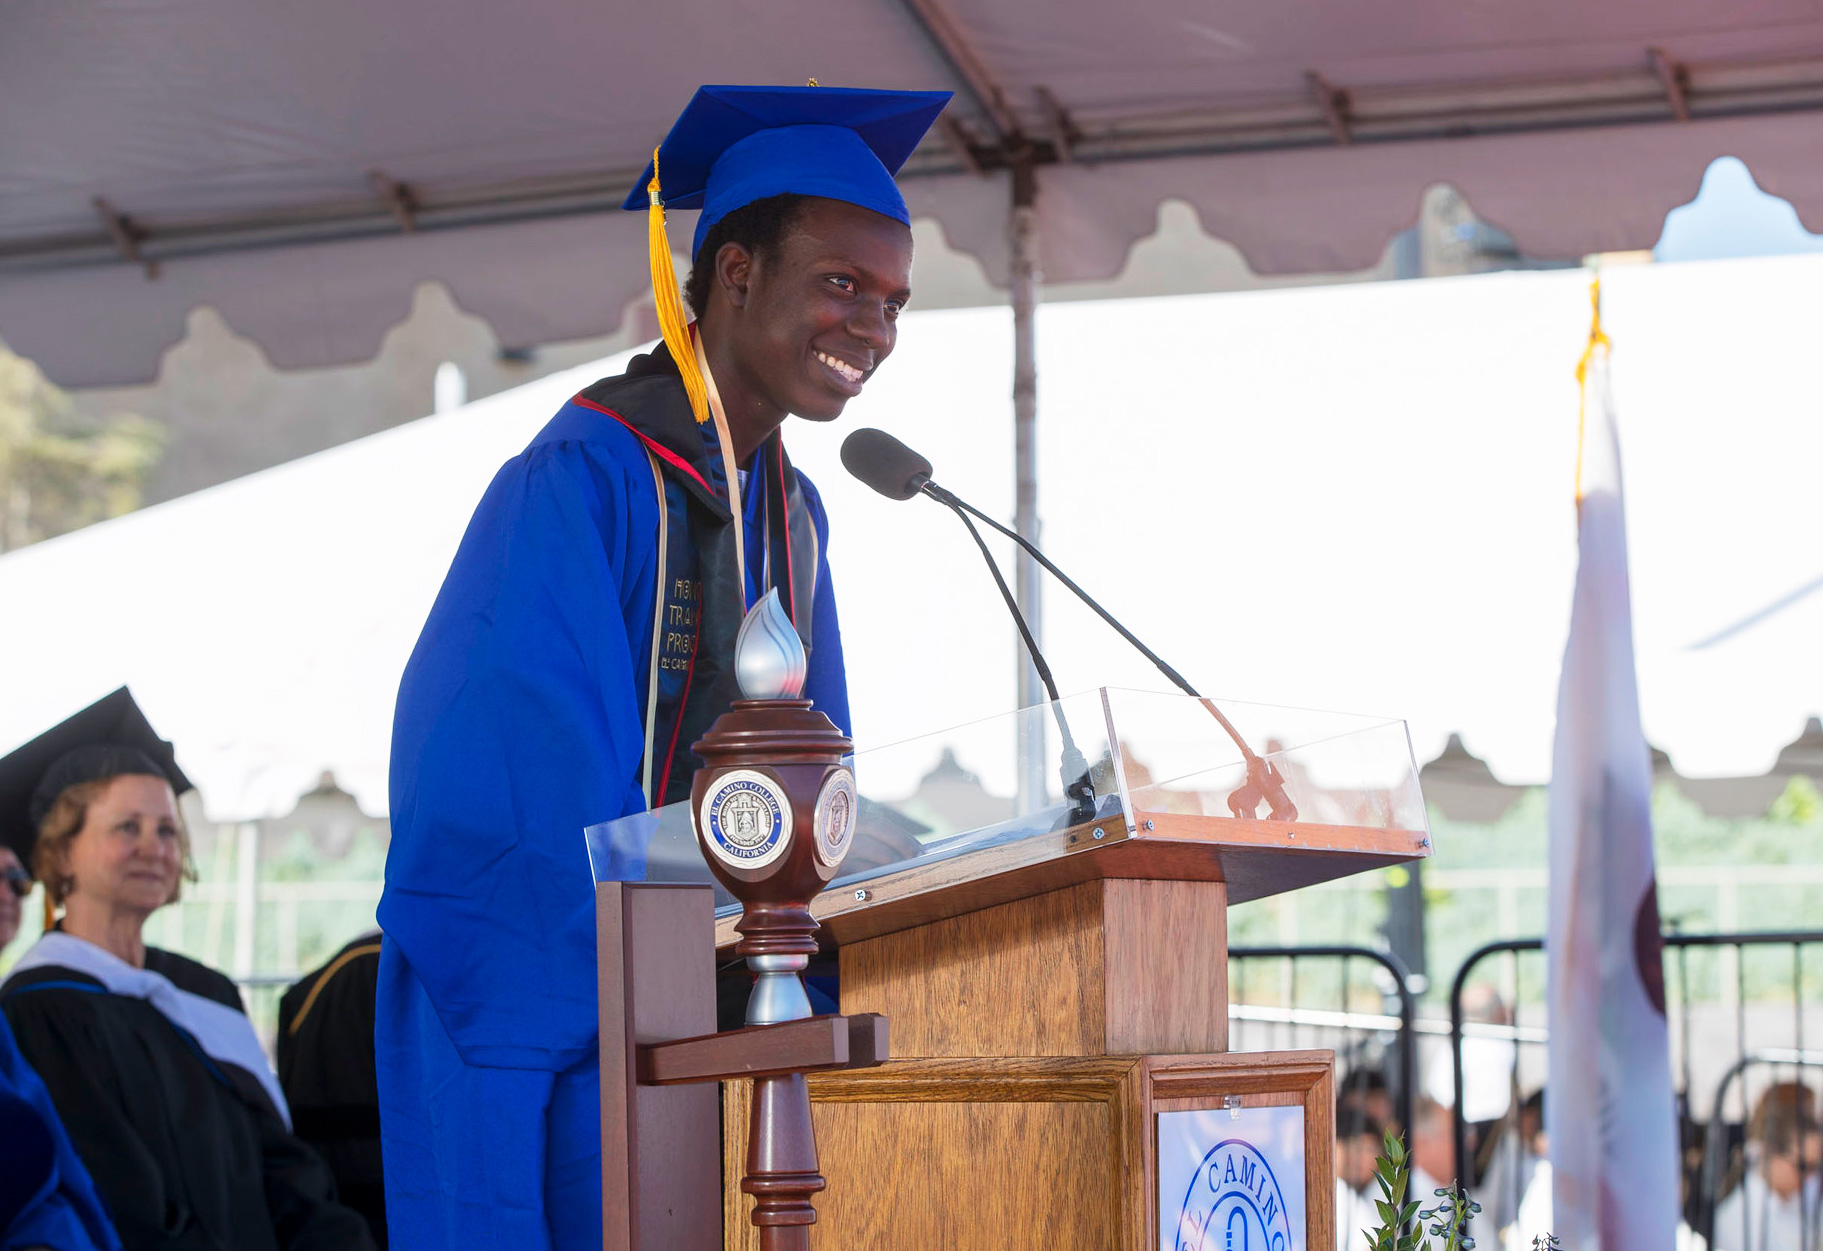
19 880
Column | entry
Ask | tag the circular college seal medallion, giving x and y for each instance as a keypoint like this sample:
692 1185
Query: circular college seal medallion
1234 1204
835 819
746 820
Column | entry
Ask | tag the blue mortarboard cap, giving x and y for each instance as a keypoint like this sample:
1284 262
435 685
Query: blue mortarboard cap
735 145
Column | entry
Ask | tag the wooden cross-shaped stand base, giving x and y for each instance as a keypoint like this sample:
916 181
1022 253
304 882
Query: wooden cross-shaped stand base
660 1122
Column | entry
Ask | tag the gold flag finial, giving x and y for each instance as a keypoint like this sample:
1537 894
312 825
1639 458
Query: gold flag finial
1598 342
812 83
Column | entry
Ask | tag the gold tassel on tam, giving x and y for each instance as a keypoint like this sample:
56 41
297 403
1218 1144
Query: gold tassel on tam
670 305
50 910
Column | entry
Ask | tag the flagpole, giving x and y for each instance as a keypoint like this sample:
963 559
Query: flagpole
1610 1100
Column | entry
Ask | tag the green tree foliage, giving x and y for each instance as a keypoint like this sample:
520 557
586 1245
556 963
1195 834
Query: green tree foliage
57 471
1800 805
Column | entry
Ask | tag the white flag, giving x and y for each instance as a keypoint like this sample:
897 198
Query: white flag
1610 1111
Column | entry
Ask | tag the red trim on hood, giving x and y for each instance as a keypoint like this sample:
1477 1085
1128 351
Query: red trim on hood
658 449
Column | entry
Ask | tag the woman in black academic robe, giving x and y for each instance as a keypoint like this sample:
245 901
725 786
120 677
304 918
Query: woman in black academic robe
188 1151
325 1054
148 1056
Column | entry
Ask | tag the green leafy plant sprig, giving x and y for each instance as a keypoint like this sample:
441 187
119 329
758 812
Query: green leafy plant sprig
1404 1225
1393 1174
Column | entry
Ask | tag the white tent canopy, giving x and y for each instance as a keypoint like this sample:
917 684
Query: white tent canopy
1346 497
302 167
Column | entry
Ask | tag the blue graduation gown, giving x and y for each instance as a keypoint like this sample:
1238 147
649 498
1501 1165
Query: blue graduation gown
519 722
46 1196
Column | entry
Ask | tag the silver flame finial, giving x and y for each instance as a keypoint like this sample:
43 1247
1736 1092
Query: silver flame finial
769 660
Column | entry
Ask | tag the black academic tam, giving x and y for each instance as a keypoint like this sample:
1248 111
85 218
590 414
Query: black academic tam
108 738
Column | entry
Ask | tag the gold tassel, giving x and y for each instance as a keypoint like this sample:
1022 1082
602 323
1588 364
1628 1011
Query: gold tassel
50 910
669 304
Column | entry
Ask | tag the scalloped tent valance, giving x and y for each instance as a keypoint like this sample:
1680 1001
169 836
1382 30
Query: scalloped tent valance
301 168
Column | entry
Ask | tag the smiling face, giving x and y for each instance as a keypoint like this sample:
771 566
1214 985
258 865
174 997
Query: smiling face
806 324
128 855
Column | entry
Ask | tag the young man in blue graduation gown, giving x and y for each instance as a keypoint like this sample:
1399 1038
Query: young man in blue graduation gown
583 640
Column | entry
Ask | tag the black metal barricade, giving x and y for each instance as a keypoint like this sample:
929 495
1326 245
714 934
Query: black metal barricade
1322 1024
1713 1147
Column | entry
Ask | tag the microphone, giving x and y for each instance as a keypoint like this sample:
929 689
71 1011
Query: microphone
885 464
897 472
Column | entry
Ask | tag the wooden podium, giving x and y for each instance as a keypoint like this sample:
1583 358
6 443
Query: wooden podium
1051 997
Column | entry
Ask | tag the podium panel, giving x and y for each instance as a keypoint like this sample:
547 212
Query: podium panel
1058 1154
1110 967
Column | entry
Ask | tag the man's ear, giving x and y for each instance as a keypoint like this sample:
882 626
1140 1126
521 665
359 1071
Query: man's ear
734 273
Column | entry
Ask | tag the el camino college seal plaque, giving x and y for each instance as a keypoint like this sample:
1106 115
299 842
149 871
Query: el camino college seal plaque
835 817
747 819
1231 1180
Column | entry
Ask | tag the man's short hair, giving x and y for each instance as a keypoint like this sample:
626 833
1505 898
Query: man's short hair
759 227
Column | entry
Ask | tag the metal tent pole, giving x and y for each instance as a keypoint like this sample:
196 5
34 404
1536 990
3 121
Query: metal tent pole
1022 227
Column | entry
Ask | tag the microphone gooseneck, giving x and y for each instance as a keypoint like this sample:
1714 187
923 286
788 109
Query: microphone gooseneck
1078 789
885 460
897 472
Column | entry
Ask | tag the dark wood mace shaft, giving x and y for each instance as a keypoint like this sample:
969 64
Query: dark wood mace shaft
800 750
782 1163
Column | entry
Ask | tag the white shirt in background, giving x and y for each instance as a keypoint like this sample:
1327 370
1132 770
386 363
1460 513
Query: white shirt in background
1773 1224
1355 1215
1534 1216
1487 1078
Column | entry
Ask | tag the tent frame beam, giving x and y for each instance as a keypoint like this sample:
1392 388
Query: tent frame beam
966 65
1410 114
398 199
1335 104
1674 76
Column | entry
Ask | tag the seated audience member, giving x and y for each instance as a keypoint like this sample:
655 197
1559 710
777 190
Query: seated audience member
46 1197
15 885
1366 1091
148 1057
326 1069
1358 1143
1533 1215
1487 1063
1779 1193
1433 1150
1501 1184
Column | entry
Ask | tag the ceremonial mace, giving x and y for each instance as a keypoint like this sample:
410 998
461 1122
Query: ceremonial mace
775 812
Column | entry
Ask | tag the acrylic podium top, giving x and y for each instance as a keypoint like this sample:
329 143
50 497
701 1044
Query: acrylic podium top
948 824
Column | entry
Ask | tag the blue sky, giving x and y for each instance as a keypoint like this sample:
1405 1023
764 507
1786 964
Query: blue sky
1731 216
